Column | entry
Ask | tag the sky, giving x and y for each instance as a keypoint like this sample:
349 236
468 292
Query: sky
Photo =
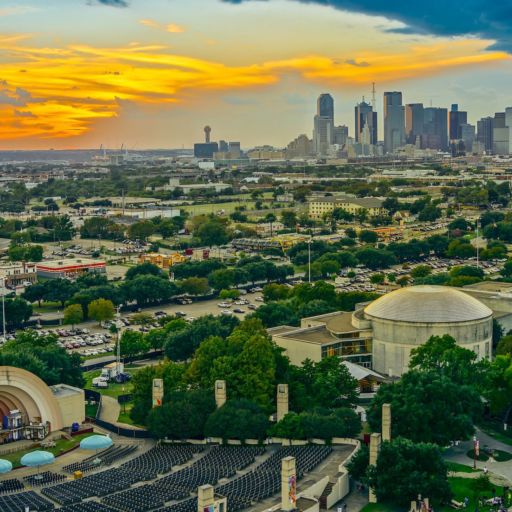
153 73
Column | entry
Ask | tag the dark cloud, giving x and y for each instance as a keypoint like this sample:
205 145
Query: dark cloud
361 64
489 20
18 113
111 3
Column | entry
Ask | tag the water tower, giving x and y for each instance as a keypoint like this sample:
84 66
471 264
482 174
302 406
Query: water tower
207 131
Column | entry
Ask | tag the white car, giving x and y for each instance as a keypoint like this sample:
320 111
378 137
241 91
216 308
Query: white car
226 312
224 305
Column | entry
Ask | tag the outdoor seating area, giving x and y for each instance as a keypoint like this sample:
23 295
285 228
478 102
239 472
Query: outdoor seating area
23 501
11 485
87 506
107 457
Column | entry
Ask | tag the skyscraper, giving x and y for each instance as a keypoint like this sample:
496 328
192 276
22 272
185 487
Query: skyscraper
435 128
500 135
323 131
365 116
414 119
394 121
325 106
456 120
484 133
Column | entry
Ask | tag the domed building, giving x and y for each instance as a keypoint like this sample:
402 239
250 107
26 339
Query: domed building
381 335
404 319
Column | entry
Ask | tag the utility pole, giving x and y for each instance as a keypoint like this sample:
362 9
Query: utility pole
309 259
477 245
3 307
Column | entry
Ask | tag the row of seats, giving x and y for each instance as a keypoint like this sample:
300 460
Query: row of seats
11 485
23 501
159 459
107 457
219 462
88 506
45 478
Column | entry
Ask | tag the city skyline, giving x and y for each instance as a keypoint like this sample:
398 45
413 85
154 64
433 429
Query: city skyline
149 83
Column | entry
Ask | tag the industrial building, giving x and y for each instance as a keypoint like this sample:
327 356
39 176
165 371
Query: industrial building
381 335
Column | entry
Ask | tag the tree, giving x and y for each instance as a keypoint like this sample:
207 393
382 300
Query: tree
195 286
229 294
504 346
377 278
17 312
148 289
35 292
213 232
428 407
142 318
59 290
141 230
238 419
275 314
222 279
289 218
182 416
405 469
368 237
273 292
42 356
101 310
421 271
133 343
144 269
375 258
73 314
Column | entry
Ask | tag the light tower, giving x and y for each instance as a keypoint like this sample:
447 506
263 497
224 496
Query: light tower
207 131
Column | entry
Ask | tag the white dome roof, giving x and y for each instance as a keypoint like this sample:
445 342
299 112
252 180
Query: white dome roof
428 304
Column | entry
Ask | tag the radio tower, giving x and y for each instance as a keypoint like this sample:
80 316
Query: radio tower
374 101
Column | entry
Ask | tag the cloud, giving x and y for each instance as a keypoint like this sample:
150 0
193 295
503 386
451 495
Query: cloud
113 3
353 62
68 89
173 28
26 113
20 9
487 20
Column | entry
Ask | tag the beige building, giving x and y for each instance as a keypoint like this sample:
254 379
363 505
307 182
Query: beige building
319 206
382 334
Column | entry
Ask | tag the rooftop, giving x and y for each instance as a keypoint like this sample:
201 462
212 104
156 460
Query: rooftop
428 304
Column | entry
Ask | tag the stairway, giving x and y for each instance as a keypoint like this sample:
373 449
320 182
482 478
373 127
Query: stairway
323 498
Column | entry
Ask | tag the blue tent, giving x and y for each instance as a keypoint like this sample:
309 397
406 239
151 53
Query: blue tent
96 442
5 466
37 458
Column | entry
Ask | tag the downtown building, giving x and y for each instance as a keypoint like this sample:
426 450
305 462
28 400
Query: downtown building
394 121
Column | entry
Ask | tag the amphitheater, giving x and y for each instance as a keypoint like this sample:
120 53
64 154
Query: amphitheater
140 476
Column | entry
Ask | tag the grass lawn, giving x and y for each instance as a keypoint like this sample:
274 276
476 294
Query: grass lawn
62 445
461 487
87 358
461 468
91 410
47 307
124 416
114 390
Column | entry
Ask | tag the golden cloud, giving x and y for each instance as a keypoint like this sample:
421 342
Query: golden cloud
67 89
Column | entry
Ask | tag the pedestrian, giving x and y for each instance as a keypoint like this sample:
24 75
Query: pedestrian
345 508
485 470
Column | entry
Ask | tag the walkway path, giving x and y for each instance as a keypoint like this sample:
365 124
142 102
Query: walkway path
110 409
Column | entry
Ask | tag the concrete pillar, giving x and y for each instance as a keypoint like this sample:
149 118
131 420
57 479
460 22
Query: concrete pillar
288 484
375 442
220 393
386 422
205 498
282 401
158 392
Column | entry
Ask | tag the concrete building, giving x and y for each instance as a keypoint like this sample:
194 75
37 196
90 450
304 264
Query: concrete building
163 261
435 129
501 132
188 188
340 135
381 335
318 206
394 121
322 135
17 274
300 147
456 119
406 318
69 268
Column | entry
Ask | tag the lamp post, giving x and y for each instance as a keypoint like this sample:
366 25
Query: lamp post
4 290
309 258
476 450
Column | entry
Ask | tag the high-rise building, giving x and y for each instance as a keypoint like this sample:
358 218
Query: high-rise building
500 134
223 146
435 128
467 135
456 120
300 147
322 135
484 133
325 106
340 135
394 121
234 149
365 116
323 131
414 119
